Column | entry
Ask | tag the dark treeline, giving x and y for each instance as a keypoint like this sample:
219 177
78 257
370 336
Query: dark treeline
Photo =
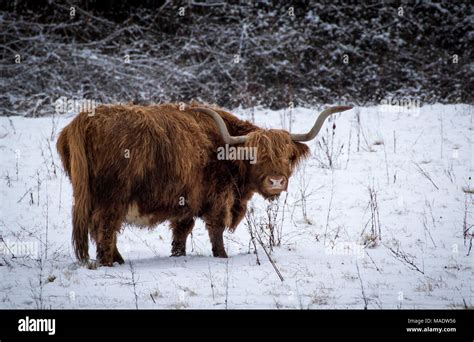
234 53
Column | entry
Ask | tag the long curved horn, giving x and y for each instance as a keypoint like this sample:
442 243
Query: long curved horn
228 139
319 123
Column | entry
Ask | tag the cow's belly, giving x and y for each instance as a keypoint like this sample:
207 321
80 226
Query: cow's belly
134 217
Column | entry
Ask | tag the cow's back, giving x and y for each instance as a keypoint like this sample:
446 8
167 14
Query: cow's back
149 154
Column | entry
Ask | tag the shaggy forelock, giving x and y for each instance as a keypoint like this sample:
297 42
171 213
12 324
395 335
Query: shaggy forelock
271 145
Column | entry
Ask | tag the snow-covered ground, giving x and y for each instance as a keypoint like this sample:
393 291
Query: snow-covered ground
403 249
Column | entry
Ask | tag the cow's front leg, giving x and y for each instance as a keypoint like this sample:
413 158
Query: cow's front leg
218 218
216 234
181 230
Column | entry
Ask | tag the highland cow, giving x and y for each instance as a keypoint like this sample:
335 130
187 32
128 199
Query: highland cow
148 164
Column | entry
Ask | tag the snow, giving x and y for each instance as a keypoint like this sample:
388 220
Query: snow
420 261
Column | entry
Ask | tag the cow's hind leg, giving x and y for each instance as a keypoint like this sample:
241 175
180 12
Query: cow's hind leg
181 230
106 227
117 257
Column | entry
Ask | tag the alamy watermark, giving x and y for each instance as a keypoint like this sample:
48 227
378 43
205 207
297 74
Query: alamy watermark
345 248
28 324
401 105
19 248
227 152
63 105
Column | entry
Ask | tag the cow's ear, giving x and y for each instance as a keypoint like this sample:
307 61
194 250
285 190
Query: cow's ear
300 152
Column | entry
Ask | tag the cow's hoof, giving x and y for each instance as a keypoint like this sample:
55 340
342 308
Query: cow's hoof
109 262
106 263
91 265
178 253
219 254
178 249
118 258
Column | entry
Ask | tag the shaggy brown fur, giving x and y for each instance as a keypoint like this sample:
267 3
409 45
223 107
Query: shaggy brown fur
148 164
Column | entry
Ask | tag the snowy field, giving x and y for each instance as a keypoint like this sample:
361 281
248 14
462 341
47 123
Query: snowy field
380 216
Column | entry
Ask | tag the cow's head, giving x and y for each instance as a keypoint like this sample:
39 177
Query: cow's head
277 156
278 152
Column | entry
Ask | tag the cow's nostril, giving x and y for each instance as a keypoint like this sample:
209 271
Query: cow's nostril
277 182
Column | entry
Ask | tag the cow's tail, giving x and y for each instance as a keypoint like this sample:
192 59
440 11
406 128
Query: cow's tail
71 147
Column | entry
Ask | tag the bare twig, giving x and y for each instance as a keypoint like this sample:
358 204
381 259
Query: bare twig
467 234
394 142
251 226
375 228
226 283
386 163
328 215
26 193
405 258
366 300
425 174
134 283
269 257
253 230
212 282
